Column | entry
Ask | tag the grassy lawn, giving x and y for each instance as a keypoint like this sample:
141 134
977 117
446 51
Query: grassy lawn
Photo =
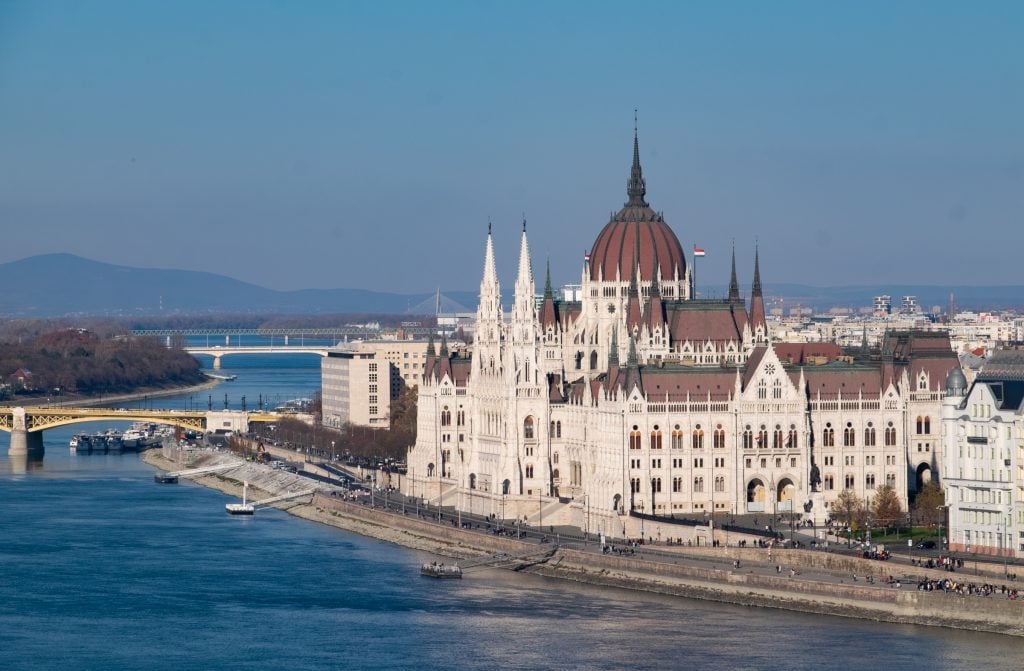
900 538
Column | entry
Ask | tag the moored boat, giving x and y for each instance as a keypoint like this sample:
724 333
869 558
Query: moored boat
242 508
435 570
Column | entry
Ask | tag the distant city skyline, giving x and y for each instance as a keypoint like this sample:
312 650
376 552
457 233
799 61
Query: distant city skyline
367 145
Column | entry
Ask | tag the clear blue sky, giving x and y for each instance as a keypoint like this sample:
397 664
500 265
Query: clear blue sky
366 144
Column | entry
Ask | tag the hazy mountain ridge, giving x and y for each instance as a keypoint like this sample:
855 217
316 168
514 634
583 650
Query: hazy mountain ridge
64 284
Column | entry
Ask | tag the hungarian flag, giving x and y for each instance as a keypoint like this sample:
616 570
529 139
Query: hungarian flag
697 251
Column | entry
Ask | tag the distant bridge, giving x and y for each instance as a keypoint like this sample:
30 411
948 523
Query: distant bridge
27 424
329 333
217 351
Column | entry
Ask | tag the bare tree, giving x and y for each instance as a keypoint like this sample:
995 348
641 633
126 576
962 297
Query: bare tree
929 505
848 508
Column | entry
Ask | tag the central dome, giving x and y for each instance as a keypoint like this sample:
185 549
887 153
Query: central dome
636 235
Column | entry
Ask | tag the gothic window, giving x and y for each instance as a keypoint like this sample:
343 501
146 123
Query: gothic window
634 485
920 424
677 484
579 361
748 438
762 438
777 389
719 436
869 481
593 360
430 470
461 418
506 485
869 436
848 435
890 480
791 439
777 437
830 482
656 439
528 428
762 390
446 416
677 438
828 436
551 430
849 482
720 484
634 438
698 485
656 485
698 438
529 471
890 435
927 424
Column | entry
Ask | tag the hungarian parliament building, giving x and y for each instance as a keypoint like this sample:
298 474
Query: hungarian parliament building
640 397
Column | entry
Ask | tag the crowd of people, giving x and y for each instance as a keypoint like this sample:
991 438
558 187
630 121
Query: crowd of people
949 586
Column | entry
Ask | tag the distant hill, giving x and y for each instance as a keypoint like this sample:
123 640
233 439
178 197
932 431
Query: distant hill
53 285
64 284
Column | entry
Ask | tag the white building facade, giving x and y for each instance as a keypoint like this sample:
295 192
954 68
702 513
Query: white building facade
638 398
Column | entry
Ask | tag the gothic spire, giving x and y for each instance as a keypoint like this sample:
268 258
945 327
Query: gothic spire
444 347
734 285
613 353
756 289
631 360
430 345
525 268
548 291
490 273
636 188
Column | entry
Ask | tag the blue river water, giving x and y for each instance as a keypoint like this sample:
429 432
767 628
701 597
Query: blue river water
101 568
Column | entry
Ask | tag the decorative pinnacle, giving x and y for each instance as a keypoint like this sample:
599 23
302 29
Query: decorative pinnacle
734 285
613 353
548 291
756 289
636 188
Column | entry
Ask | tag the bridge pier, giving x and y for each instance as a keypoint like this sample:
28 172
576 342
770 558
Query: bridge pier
216 363
26 442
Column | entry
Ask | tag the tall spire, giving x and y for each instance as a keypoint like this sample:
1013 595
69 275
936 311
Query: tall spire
548 291
490 273
756 289
631 361
613 352
525 268
734 285
636 188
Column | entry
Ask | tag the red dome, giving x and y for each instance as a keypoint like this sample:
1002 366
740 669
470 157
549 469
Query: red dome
637 234
636 230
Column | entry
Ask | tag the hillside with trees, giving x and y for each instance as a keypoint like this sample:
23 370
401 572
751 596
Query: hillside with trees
35 361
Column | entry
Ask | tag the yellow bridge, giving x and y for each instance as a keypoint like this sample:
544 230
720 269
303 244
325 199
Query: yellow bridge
27 424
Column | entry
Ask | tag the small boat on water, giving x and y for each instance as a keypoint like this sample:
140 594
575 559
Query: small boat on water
165 478
79 441
435 570
242 508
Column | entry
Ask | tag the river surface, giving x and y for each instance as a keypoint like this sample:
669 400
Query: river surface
101 568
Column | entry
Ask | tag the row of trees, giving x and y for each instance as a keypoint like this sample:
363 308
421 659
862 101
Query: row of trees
884 508
359 441
80 361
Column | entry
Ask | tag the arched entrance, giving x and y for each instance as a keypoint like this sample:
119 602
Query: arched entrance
755 496
617 503
785 494
924 475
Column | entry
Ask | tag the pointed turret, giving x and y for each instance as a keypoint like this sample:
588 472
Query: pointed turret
549 309
489 313
758 325
613 352
524 309
636 188
430 346
633 377
734 285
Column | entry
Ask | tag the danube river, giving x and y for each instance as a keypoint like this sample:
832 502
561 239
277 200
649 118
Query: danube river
101 568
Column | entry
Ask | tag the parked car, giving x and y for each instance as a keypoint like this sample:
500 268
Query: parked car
926 545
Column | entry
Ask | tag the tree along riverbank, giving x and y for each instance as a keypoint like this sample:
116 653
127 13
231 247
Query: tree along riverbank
813 581
84 401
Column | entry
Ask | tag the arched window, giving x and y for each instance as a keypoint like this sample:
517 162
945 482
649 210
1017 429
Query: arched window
777 389
529 471
777 437
430 470
849 435
677 438
698 485
719 436
472 480
593 360
762 438
927 424
869 436
762 389
505 486
830 482
579 361
890 435
528 428
656 439
828 436
890 480
698 438
551 430
446 416
920 424
748 438
558 429
791 439
634 438
720 484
